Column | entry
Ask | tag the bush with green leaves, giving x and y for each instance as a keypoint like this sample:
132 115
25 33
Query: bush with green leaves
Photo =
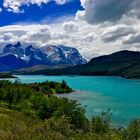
101 124
133 130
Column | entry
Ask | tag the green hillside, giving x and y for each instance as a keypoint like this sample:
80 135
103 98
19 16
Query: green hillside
123 63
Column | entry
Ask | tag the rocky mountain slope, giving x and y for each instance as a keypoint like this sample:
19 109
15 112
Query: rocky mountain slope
15 56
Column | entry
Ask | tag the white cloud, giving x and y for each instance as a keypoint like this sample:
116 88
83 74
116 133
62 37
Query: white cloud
132 39
8 36
117 32
0 10
15 5
70 26
61 1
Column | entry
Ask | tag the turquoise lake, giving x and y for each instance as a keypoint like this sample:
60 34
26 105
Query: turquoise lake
100 93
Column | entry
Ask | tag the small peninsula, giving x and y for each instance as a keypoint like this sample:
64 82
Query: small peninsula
6 75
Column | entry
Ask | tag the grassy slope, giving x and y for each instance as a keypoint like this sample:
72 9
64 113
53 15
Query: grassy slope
17 126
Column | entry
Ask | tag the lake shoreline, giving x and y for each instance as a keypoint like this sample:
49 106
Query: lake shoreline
98 93
6 75
124 77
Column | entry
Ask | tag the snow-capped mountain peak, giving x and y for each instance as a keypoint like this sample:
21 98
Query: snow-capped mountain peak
30 56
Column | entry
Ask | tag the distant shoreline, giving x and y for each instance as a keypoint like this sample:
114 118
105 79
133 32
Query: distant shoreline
6 75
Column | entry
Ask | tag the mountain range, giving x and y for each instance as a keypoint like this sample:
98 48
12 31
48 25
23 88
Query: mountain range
64 60
123 63
15 56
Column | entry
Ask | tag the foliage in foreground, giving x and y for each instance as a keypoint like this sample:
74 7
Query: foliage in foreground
32 100
27 113
18 126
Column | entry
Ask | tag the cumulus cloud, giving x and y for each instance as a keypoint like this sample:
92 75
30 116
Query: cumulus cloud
8 36
89 38
27 34
108 10
41 35
117 32
70 26
15 5
133 39
61 1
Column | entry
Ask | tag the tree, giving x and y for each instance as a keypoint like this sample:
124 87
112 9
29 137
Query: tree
133 130
101 124
63 85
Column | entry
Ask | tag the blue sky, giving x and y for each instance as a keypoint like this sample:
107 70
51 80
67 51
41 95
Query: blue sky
34 13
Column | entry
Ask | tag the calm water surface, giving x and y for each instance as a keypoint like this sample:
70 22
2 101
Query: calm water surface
99 93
